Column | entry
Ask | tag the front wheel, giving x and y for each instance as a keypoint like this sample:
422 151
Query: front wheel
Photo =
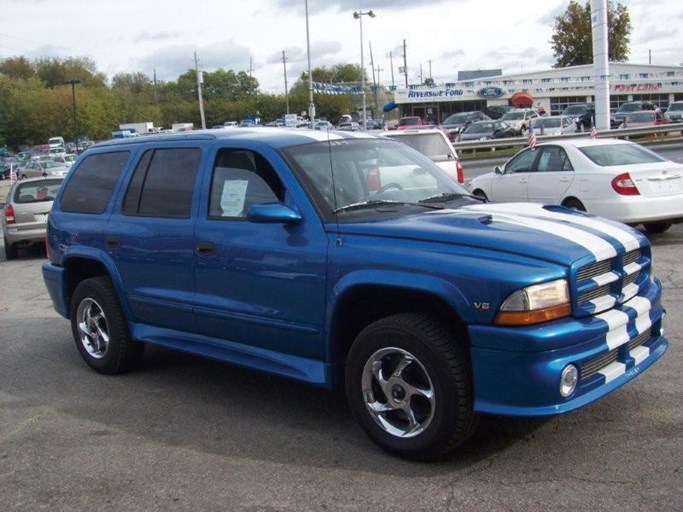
99 327
408 383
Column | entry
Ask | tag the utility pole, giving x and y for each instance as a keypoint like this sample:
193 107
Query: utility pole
284 63
391 61
405 63
200 80
430 68
374 82
311 105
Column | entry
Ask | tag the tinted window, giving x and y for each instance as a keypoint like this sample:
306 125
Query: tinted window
553 159
163 183
92 183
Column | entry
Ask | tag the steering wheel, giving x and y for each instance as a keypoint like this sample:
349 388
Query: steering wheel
388 186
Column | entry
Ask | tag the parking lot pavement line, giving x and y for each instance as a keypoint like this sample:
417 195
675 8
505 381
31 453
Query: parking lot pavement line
24 425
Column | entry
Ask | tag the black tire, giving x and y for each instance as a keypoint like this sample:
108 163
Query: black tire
480 193
11 251
425 410
655 228
99 328
574 204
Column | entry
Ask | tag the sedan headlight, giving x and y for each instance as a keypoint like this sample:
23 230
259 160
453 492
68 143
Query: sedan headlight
535 304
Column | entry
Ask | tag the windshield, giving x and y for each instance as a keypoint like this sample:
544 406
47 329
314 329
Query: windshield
620 154
677 106
573 110
630 107
479 128
548 122
36 191
642 117
456 119
513 116
346 175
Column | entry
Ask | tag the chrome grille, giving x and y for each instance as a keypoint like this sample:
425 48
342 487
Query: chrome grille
607 271
590 368
593 366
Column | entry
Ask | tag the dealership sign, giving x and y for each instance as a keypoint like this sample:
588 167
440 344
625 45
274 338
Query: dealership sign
490 92
436 93
651 87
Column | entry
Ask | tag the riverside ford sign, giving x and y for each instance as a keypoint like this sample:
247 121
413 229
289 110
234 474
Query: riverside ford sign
436 93
490 92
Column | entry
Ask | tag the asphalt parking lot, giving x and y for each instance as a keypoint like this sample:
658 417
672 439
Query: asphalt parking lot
183 433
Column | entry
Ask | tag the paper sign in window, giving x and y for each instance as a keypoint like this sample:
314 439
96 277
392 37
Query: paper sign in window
233 196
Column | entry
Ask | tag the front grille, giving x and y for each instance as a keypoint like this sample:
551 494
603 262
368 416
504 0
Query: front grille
601 284
593 366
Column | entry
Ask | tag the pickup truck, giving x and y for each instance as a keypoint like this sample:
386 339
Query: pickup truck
350 261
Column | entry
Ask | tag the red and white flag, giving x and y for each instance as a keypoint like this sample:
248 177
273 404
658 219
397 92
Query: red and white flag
12 173
594 133
531 138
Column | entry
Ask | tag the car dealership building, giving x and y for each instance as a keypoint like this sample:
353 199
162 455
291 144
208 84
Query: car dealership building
551 89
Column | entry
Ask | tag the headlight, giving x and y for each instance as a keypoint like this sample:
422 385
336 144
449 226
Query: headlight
535 304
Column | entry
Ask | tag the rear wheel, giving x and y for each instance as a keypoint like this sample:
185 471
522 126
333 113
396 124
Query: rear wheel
99 327
574 204
656 228
408 383
10 250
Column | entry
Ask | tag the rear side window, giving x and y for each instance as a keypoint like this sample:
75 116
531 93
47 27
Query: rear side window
163 183
92 183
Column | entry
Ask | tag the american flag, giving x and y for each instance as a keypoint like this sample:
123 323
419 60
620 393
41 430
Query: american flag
594 133
12 173
531 138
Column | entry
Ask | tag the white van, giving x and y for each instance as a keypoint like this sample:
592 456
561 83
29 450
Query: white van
55 142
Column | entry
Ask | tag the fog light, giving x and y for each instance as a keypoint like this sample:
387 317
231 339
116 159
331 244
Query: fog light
568 380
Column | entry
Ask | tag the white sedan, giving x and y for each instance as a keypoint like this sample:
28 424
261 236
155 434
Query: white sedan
612 178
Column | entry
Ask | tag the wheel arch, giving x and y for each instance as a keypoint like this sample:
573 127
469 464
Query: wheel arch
81 267
363 303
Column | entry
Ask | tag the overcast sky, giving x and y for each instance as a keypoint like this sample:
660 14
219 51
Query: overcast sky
448 35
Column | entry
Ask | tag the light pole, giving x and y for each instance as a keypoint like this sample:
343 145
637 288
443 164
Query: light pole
359 16
73 83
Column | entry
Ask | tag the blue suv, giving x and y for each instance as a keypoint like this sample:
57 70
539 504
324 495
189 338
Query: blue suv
343 259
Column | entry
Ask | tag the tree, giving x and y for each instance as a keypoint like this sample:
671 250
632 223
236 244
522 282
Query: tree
17 67
572 42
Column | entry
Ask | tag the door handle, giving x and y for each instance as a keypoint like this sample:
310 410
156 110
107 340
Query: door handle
206 248
113 242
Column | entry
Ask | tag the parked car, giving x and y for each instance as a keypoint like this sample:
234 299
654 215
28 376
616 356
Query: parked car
486 130
25 213
675 112
628 108
612 178
323 125
350 126
583 115
643 119
553 125
42 168
409 121
497 111
455 123
519 119
350 260
435 145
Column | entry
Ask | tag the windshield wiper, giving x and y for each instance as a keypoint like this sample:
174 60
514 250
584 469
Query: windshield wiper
373 203
449 196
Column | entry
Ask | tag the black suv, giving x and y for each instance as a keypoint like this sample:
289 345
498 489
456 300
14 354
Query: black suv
583 114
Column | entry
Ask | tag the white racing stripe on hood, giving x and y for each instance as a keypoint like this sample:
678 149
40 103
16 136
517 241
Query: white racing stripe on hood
625 238
532 215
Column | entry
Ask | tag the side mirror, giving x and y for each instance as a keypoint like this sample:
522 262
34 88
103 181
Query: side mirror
273 213
497 169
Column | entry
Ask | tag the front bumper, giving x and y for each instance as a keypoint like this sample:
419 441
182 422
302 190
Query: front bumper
525 381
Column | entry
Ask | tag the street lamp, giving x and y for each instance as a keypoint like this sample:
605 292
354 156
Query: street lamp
359 16
73 83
